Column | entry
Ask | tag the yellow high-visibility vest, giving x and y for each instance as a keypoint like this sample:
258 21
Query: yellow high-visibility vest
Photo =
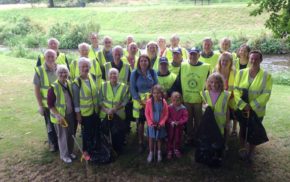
44 83
60 103
220 108
110 99
212 61
123 74
259 91
88 96
193 79
169 54
59 60
167 81
95 70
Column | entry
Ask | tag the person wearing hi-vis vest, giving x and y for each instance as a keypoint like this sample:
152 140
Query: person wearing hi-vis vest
129 40
122 67
226 69
85 96
252 92
174 41
225 46
44 76
165 77
105 54
242 61
94 48
217 98
161 41
152 53
60 103
174 66
114 96
132 56
208 55
53 44
190 82
95 67
141 81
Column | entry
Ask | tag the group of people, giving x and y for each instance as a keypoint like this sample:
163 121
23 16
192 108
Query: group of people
165 87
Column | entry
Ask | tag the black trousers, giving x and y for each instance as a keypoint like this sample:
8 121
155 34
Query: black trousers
51 134
90 132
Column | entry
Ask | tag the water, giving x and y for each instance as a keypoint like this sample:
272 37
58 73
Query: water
276 63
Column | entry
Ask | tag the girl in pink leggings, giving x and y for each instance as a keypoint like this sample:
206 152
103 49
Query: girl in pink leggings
178 116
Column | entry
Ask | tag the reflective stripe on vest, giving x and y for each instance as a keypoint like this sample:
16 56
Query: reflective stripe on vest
220 107
88 97
123 74
110 99
44 83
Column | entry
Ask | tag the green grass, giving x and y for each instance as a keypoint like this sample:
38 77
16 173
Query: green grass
147 22
24 155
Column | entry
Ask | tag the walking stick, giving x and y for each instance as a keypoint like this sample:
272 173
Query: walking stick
86 159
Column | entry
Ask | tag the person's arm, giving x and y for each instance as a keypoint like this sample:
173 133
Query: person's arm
155 77
176 86
184 117
238 93
264 97
76 101
37 93
133 83
148 113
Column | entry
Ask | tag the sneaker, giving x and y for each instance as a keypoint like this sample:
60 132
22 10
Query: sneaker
159 156
177 153
66 160
150 157
169 155
73 156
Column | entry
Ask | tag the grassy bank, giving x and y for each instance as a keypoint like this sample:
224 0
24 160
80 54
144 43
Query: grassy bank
147 22
24 155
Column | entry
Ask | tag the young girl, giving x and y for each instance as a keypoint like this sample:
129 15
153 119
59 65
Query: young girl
177 117
156 112
217 98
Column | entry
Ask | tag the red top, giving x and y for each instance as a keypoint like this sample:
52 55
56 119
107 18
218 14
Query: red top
149 113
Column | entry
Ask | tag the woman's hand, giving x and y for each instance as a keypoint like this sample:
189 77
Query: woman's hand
41 110
79 117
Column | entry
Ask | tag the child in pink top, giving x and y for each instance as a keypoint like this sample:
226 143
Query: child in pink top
156 112
177 117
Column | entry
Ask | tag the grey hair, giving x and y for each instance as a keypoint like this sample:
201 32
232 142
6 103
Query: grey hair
118 47
85 60
175 36
53 39
113 70
161 38
83 45
49 51
61 68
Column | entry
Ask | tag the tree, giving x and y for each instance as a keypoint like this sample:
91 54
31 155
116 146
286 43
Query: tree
279 20
50 3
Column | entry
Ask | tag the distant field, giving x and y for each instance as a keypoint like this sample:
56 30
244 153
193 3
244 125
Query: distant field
147 22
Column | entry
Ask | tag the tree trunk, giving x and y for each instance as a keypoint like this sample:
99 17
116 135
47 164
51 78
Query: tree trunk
50 3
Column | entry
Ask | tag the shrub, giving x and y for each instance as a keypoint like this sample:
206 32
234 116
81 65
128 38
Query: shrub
70 35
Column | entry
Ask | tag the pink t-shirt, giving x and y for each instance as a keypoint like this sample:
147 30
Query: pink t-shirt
214 96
